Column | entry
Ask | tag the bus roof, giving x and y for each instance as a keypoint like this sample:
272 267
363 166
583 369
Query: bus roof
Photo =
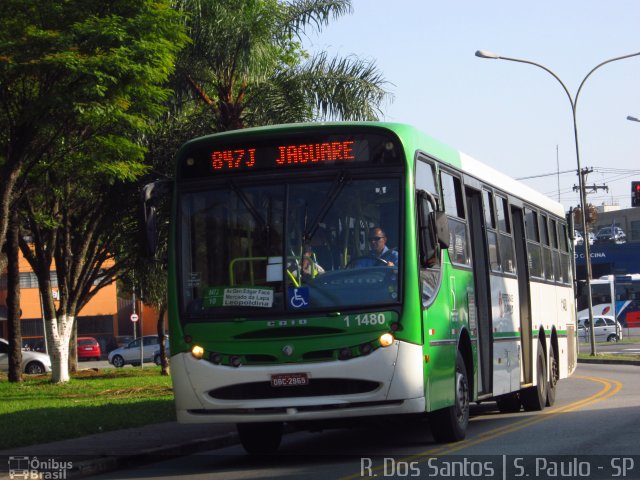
414 139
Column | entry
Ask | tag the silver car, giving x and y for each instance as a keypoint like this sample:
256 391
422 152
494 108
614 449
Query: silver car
32 362
131 353
606 329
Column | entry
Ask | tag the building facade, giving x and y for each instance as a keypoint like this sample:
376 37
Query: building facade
104 317
612 258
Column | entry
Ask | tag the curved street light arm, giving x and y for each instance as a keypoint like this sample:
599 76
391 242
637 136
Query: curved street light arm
564 87
596 68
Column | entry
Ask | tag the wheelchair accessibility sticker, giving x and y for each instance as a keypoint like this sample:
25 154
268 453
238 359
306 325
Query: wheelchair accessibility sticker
298 297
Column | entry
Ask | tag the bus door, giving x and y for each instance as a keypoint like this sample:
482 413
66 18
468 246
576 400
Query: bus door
524 293
482 290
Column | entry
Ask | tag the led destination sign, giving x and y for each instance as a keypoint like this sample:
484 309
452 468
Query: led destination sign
287 155
310 151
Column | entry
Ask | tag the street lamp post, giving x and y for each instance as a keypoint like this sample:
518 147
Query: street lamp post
633 119
583 195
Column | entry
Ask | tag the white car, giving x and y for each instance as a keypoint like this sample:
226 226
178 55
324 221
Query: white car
607 329
32 362
131 353
578 239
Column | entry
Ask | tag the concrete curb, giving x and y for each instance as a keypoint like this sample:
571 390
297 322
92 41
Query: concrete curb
609 361
105 464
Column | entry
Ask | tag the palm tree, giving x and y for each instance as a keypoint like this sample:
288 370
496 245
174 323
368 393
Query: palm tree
246 66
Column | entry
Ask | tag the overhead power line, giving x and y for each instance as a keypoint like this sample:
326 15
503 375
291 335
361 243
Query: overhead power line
546 175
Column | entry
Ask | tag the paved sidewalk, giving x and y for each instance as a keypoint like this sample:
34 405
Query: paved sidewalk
108 451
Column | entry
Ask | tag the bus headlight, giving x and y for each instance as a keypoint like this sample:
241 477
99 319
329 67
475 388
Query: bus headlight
386 339
197 351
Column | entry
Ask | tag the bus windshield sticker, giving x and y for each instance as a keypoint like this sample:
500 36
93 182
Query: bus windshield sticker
274 269
238 297
194 280
298 297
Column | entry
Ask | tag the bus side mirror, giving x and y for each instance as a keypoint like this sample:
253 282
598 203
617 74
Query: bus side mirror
433 227
441 225
580 286
150 193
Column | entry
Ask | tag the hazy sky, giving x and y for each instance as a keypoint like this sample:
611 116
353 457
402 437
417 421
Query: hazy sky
513 116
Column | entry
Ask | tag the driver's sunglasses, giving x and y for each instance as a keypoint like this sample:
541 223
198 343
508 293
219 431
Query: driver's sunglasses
375 239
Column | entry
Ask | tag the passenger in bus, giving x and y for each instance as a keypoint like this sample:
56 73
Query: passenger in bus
379 253
310 266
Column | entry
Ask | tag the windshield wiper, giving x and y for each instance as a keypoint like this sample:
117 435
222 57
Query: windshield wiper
336 187
247 203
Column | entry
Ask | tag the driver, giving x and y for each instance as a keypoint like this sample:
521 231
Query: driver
379 253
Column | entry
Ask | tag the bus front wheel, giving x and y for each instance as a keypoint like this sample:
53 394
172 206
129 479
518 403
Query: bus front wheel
450 424
260 438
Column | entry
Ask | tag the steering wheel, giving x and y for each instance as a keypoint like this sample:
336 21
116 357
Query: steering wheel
378 260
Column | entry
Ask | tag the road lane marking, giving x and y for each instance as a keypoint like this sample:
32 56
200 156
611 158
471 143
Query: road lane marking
609 389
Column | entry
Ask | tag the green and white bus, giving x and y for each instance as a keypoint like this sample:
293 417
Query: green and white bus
281 311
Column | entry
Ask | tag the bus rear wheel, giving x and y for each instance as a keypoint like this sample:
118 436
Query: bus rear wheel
554 375
450 424
535 398
260 438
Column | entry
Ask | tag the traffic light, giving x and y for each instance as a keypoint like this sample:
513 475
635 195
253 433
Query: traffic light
635 194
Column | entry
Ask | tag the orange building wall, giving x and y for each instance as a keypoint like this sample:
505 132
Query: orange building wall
104 302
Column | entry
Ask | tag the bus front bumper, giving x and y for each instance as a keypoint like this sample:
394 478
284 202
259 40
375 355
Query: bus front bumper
393 376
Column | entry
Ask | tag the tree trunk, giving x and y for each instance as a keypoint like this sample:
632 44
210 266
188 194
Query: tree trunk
13 300
58 336
163 350
73 349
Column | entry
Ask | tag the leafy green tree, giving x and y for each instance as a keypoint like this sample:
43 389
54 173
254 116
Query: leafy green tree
80 75
80 232
246 66
80 83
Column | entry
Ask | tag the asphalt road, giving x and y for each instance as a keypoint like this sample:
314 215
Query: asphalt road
593 426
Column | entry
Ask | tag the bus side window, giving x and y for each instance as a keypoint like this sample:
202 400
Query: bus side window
533 243
454 208
505 239
546 250
490 230
564 254
553 236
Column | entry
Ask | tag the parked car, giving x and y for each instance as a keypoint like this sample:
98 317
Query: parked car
611 235
88 348
32 362
606 329
577 238
590 236
131 353
119 341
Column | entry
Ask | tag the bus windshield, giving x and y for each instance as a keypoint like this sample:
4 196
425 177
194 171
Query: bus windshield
289 246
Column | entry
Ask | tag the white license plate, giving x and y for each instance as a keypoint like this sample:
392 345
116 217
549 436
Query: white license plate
289 380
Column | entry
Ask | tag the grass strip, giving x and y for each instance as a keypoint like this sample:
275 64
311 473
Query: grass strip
93 401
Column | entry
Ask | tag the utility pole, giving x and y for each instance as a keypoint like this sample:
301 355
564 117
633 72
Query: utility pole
589 188
585 216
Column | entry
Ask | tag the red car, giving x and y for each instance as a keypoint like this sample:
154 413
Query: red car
88 348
